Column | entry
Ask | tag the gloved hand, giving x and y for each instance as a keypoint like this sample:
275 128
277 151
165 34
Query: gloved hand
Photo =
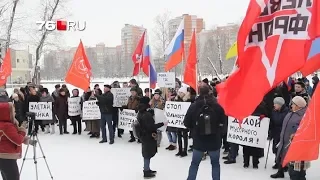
121 109
269 138
262 116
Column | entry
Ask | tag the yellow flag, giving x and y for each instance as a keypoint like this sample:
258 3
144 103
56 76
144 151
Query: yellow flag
233 51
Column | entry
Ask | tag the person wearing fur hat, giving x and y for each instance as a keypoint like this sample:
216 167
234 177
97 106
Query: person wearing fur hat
133 103
297 170
148 135
183 96
133 83
157 102
278 114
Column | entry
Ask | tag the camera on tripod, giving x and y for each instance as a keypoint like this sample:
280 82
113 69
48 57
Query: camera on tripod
31 116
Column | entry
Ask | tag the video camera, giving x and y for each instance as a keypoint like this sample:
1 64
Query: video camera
31 116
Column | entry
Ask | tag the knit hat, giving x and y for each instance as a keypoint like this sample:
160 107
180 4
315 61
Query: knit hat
299 101
145 100
279 100
183 89
205 80
158 91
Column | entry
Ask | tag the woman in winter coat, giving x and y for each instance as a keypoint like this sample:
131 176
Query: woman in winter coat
18 106
61 109
12 138
157 102
297 170
183 96
76 120
46 97
256 153
278 114
171 131
93 126
133 103
148 135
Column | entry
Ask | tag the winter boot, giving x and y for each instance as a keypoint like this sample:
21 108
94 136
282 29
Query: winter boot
172 147
279 174
183 154
148 175
47 130
53 129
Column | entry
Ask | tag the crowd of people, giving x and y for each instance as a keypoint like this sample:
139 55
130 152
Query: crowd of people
285 106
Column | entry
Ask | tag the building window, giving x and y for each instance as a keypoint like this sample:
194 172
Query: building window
17 60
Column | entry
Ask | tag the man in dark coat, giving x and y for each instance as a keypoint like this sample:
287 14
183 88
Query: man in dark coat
105 103
315 81
205 143
148 135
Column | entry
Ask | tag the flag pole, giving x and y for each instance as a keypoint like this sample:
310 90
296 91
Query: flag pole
214 68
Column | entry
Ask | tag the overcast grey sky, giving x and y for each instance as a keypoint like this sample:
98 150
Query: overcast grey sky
105 18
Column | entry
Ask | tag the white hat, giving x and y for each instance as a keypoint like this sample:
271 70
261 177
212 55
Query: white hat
183 89
299 101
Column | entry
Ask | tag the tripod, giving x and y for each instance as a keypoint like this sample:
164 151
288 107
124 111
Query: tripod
34 137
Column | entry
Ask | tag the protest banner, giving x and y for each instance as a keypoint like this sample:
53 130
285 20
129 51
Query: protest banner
160 117
166 80
253 131
74 106
120 96
90 111
126 118
175 112
43 110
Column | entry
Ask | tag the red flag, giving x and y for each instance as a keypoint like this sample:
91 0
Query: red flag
137 56
307 135
268 52
190 72
80 71
5 68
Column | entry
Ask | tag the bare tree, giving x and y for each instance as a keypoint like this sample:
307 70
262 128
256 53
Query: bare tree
161 33
50 10
13 12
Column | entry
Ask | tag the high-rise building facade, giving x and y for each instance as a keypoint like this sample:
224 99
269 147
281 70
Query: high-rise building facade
21 62
130 36
191 22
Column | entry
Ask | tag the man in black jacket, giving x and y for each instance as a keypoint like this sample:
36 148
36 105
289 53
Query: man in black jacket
202 143
105 103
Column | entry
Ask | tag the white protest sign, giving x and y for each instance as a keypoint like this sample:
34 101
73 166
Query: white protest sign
126 118
175 112
166 80
120 96
91 111
74 106
253 131
160 117
43 110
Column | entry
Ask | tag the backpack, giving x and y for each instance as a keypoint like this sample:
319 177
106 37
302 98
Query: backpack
206 123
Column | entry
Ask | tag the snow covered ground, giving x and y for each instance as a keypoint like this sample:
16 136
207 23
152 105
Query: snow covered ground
74 157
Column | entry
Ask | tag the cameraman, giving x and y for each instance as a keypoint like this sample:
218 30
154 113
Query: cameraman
12 137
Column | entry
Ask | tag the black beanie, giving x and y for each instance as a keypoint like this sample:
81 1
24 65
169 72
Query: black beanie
205 80
145 100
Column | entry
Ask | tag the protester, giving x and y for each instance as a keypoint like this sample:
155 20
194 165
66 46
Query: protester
93 126
203 141
300 90
55 93
12 138
47 123
133 83
148 135
157 103
61 109
148 93
105 103
290 125
133 103
182 134
115 113
18 106
315 81
66 90
32 97
279 113
172 131
76 120
308 87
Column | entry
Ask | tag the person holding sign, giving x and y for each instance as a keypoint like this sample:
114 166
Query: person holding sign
47 98
148 135
183 96
75 117
157 102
